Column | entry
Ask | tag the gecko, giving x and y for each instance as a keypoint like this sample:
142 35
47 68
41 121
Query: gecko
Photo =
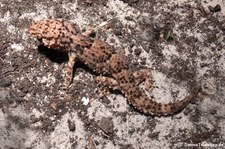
114 69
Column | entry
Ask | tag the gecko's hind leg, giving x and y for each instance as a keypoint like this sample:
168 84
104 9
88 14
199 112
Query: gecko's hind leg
144 75
69 72
107 83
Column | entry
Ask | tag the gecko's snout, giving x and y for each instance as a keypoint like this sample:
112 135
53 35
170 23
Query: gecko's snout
35 33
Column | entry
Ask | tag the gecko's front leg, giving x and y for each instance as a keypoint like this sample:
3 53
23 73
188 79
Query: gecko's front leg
69 72
89 32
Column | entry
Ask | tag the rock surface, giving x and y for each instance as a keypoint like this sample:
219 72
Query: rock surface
182 42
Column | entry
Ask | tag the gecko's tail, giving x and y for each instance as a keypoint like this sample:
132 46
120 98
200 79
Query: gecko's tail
148 106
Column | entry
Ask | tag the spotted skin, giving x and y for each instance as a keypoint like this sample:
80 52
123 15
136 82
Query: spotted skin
114 69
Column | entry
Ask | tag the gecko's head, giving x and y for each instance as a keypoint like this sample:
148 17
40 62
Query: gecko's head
55 33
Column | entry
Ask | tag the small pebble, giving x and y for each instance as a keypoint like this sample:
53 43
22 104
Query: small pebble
71 125
106 125
33 119
217 8
137 51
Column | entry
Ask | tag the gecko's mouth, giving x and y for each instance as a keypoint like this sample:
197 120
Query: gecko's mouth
40 41
36 41
35 35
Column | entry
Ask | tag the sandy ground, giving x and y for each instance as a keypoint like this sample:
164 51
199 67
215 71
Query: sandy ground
181 41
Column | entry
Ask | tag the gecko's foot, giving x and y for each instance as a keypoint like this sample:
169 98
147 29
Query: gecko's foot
106 83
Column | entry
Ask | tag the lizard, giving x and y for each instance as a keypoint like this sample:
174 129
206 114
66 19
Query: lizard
114 68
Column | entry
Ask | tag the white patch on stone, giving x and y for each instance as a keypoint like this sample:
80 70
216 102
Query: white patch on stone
85 100
17 47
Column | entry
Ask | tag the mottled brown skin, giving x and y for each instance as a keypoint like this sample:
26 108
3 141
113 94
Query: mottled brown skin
115 69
